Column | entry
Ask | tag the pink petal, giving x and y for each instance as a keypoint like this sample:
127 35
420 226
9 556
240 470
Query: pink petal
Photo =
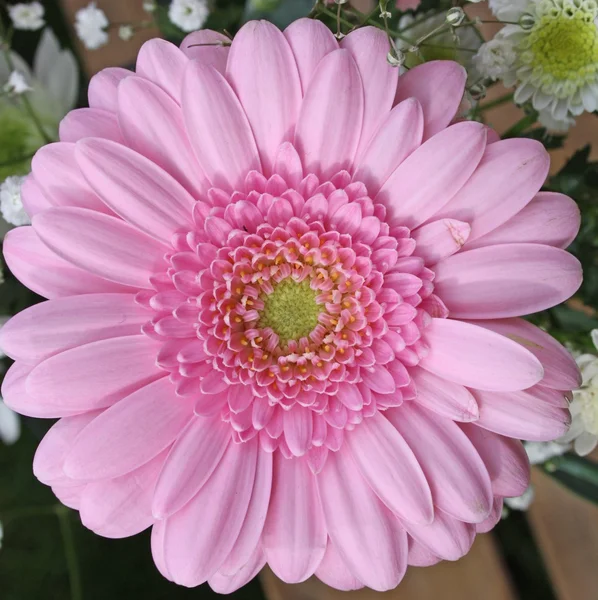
152 123
69 495
457 476
334 573
369 47
508 176
90 122
103 88
130 433
226 584
427 179
203 47
441 100
102 245
48 275
392 471
560 370
121 507
262 71
420 556
378 379
298 428
218 128
368 537
398 136
163 63
506 281
310 40
288 165
195 454
443 397
294 537
135 188
550 218
331 116
33 197
440 239
494 517
193 554
251 530
522 415
96 374
57 325
476 357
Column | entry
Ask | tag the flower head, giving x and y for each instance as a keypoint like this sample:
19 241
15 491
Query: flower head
283 309
495 58
189 15
28 16
556 57
11 205
91 24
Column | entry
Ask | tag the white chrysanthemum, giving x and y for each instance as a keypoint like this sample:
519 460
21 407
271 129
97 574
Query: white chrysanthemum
439 47
91 24
189 15
17 84
584 407
540 452
10 425
11 205
557 56
508 10
522 502
495 58
28 16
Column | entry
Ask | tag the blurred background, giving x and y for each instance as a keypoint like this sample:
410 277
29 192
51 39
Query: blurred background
549 552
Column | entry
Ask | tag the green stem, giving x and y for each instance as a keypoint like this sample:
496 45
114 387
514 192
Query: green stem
521 125
497 102
70 552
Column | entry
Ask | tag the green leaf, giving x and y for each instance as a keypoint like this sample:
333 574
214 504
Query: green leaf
280 12
578 474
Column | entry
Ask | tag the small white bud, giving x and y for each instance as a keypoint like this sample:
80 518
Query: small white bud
149 6
395 58
125 32
384 14
16 84
455 16
527 21
341 1
477 91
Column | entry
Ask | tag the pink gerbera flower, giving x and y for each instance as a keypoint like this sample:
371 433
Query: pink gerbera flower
283 309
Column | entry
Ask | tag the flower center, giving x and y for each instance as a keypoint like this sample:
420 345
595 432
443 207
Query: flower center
290 310
562 47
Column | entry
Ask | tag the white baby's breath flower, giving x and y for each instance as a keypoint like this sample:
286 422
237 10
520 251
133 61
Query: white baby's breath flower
10 425
91 24
522 502
11 205
17 84
125 32
584 407
540 452
556 48
189 15
149 6
28 16
495 58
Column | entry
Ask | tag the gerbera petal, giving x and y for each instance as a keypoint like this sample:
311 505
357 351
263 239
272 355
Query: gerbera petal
391 469
294 537
428 178
121 507
510 280
50 327
100 244
444 397
440 239
136 188
226 584
194 456
130 433
334 573
70 495
310 40
331 118
398 136
90 122
420 556
560 370
369 47
457 476
262 71
550 218
153 125
439 101
164 64
210 48
493 518
48 275
298 429
367 536
157 546
96 374
194 554
103 88
476 357
33 197
510 173
218 128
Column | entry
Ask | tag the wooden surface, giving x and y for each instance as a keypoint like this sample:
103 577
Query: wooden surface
565 526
